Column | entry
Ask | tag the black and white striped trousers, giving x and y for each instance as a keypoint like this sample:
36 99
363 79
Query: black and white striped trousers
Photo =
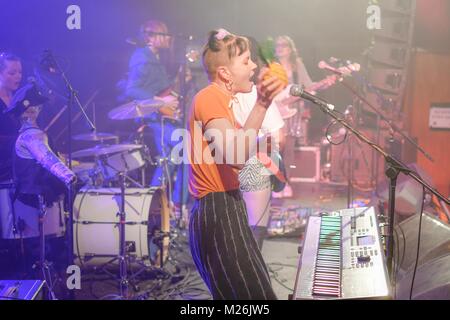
225 251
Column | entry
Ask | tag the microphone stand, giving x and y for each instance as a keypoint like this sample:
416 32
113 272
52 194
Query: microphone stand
380 115
185 108
394 167
72 97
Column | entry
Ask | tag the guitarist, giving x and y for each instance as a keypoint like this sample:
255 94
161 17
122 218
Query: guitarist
148 78
296 125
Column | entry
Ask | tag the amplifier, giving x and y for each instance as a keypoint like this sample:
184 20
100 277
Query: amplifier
21 289
305 166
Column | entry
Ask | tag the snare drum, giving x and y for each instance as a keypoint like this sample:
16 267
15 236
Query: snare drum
88 174
96 221
131 158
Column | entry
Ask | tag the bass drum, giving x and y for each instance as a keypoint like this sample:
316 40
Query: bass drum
96 222
19 220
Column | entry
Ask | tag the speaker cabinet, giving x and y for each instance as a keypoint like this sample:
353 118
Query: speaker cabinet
305 166
432 279
408 193
21 289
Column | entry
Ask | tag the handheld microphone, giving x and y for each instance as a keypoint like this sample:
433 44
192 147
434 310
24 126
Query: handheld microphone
298 91
47 62
39 86
31 80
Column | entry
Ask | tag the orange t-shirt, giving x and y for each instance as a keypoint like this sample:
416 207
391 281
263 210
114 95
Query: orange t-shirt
205 175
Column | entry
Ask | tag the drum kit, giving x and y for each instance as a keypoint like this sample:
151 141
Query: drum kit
101 165
115 218
113 222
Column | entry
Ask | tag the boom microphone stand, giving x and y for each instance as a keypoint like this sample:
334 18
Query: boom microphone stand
394 166
380 115
54 67
184 40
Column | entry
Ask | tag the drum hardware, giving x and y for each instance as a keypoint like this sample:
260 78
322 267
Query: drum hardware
104 150
89 173
17 225
138 139
122 257
95 216
105 165
143 208
111 160
139 109
43 264
96 136
19 222
166 181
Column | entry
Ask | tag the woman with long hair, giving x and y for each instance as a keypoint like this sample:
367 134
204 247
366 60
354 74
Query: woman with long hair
296 129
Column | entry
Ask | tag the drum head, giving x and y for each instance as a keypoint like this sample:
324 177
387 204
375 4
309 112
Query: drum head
96 221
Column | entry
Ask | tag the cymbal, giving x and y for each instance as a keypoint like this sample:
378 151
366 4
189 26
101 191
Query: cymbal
102 150
96 136
135 109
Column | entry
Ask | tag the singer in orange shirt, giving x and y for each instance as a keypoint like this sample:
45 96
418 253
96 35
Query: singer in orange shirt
222 245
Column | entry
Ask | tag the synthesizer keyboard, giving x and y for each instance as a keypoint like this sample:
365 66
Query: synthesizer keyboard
342 257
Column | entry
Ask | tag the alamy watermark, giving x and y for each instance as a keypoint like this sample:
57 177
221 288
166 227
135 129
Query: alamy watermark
373 21
212 146
74 277
73 21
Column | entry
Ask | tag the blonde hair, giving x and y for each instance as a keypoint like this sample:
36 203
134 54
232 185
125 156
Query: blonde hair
293 57
7 56
220 49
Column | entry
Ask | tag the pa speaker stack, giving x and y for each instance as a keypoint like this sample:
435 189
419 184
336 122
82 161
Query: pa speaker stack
432 279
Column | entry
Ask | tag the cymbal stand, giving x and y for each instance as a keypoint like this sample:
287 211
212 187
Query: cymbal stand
123 261
166 181
123 257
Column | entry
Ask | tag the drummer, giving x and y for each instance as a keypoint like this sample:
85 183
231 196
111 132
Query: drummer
37 170
149 78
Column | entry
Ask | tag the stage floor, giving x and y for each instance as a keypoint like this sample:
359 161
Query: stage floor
179 278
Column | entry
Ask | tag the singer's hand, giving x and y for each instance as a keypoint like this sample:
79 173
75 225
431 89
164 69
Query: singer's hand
267 89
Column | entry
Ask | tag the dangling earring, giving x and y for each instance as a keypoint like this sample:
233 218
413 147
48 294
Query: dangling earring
229 85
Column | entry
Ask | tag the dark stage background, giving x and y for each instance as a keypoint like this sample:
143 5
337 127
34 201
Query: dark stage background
95 58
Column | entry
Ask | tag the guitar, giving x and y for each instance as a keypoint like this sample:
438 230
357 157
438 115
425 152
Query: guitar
171 96
284 100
